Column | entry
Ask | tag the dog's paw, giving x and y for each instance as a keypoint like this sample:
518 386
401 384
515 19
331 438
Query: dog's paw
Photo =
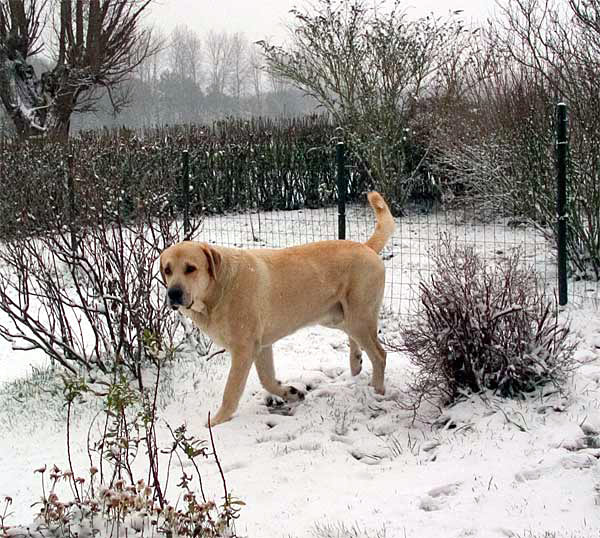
282 403
218 418
274 401
278 406
292 394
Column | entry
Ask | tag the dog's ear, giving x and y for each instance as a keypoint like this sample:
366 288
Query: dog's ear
214 260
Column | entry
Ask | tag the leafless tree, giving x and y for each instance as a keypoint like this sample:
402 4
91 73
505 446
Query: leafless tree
179 89
145 95
96 46
149 67
240 65
256 78
185 54
218 61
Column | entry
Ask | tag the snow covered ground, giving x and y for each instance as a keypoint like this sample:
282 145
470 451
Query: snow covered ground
346 462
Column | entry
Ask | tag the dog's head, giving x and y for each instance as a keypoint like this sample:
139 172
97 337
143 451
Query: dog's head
189 270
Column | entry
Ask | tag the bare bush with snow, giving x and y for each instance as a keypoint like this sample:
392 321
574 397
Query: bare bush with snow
116 497
484 327
90 297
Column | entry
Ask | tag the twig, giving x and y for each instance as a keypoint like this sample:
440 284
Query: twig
73 481
212 443
191 458
511 421
151 441
215 353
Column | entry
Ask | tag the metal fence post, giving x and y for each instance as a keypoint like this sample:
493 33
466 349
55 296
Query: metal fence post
185 193
71 203
342 187
561 200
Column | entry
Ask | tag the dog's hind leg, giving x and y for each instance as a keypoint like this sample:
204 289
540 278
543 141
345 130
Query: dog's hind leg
367 340
355 357
266 374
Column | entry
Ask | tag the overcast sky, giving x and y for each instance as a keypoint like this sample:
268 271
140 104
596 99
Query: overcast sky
260 19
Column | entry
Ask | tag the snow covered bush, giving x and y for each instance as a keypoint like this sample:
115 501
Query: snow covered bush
88 297
483 326
120 510
110 499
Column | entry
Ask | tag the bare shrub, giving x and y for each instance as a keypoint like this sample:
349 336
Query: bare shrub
500 151
111 498
501 144
484 327
90 299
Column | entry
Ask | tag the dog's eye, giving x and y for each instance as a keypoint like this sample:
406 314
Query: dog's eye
168 271
189 269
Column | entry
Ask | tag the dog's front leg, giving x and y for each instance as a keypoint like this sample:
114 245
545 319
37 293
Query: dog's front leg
266 374
241 362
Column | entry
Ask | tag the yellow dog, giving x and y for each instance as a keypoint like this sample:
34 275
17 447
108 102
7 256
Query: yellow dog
246 300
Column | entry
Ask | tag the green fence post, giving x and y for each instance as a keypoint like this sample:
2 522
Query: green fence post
185 193
342 186
562 147
71 203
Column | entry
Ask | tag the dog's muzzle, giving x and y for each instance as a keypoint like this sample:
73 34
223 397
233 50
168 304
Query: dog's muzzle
175 296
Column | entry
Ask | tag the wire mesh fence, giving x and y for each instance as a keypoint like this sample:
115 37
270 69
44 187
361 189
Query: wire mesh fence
273 189
407 254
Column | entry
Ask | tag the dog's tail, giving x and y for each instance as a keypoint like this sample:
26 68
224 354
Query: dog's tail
385 222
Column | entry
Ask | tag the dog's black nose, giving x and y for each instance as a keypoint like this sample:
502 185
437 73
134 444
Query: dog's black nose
175 296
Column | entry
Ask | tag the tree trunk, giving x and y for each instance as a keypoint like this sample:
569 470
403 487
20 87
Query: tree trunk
56 127
58 130
38 106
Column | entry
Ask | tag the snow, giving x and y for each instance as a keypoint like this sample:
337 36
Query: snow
345 461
